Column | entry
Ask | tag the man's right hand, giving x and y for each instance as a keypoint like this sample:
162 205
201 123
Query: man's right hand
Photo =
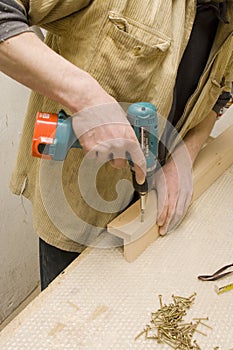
105 133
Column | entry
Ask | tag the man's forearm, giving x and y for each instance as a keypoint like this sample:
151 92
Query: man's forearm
197 136
28 60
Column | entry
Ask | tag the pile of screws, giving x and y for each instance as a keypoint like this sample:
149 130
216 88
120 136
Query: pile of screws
167 325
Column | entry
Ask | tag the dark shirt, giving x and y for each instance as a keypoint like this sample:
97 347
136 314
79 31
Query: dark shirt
192 65
195 56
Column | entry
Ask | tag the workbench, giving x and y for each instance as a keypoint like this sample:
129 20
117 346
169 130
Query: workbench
102 301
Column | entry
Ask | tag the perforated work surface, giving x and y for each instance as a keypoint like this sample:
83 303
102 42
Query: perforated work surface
103 302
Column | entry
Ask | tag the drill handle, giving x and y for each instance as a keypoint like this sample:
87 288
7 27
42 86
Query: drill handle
65 137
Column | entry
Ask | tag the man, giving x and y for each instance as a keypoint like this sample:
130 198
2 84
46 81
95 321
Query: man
175 54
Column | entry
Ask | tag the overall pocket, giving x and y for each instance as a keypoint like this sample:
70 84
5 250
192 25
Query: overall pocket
128 55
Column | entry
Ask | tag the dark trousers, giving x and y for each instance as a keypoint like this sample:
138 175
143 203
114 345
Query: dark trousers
52 262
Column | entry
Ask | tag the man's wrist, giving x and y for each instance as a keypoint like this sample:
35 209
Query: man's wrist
86 92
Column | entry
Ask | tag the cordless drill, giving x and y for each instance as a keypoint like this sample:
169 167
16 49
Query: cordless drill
54 136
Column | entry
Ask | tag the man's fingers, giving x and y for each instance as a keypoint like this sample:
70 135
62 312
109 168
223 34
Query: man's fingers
139 174
163 216
166 208
175 214
182 205
121 163
178 215
169 215
118 163
119 151
136 156
161 188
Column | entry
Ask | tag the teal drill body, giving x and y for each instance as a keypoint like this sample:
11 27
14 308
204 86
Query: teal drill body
144 120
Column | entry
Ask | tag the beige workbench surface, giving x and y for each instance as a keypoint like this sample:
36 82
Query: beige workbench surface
103 302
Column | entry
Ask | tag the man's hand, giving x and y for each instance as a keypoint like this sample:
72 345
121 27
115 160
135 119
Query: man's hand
173 182
174 186
105 133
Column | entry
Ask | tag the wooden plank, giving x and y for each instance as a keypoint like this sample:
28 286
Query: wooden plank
136 235
211 162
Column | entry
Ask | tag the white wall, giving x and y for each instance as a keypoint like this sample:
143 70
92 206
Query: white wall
19 272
